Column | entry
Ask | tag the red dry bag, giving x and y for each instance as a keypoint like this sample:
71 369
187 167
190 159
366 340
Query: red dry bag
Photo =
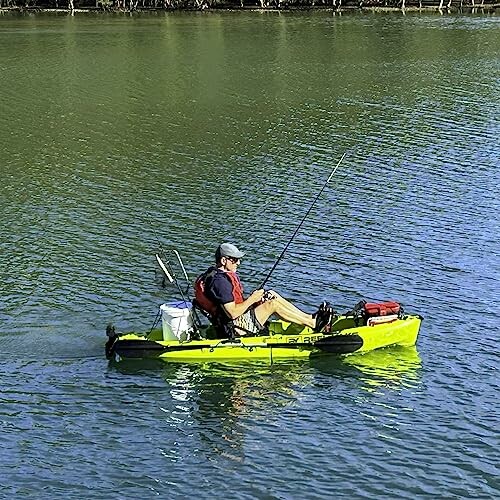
372 309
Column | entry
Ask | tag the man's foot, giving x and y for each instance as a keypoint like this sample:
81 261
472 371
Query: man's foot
324 317
322 307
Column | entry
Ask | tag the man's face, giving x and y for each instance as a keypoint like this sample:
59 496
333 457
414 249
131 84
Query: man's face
231 263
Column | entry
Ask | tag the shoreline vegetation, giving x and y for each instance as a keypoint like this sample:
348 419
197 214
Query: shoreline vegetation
77 6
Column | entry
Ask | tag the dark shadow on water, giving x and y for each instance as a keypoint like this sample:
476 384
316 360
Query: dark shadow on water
136 366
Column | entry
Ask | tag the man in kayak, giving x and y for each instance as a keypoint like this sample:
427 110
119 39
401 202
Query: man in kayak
219 292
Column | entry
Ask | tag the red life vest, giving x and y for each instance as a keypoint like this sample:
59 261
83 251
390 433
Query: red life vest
237 287
201 297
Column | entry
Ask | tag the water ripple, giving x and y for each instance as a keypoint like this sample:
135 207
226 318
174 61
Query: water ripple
210 127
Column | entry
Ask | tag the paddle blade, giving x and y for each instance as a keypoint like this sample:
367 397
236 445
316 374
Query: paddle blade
340 344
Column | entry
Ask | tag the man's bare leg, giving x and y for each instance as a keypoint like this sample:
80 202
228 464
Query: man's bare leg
284 309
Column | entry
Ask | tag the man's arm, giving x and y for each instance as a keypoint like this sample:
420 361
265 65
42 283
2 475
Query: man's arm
234 310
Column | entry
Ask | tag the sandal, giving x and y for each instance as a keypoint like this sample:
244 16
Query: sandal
324 317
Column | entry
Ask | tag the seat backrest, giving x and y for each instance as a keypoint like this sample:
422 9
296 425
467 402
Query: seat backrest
220 330
198 307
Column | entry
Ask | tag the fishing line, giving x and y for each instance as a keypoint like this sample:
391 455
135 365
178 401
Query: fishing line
302 222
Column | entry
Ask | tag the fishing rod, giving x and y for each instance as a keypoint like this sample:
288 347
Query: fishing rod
172 278
196 318
188 281
170 275
302 222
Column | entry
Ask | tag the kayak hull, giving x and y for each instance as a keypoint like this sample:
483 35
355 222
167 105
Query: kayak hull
284 341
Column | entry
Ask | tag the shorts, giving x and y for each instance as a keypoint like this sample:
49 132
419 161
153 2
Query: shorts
247 324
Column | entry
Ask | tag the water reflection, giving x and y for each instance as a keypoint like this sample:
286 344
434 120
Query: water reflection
229 388
229 399
391 368
218 402
215 411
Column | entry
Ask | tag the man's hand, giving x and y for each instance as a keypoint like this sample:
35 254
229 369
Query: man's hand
268 295
263 295
257 296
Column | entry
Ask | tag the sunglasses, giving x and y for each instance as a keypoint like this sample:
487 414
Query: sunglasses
234 260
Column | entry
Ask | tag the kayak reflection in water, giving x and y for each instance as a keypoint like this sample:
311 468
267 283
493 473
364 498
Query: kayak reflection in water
219 293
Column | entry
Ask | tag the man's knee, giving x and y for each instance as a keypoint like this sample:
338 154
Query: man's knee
264 311
275 295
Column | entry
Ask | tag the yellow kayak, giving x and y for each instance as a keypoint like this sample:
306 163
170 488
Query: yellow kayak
283 341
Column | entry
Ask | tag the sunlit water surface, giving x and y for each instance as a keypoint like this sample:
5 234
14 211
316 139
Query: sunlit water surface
117 131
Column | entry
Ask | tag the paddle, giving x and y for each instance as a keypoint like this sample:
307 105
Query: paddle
340 344
301 222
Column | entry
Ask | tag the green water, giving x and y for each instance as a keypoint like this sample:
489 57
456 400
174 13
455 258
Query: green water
193 128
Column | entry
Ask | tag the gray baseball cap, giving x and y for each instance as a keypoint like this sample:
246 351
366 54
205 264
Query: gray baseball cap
228 250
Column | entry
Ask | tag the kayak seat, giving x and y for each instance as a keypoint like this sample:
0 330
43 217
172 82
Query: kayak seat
198 307
219 329
221 332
